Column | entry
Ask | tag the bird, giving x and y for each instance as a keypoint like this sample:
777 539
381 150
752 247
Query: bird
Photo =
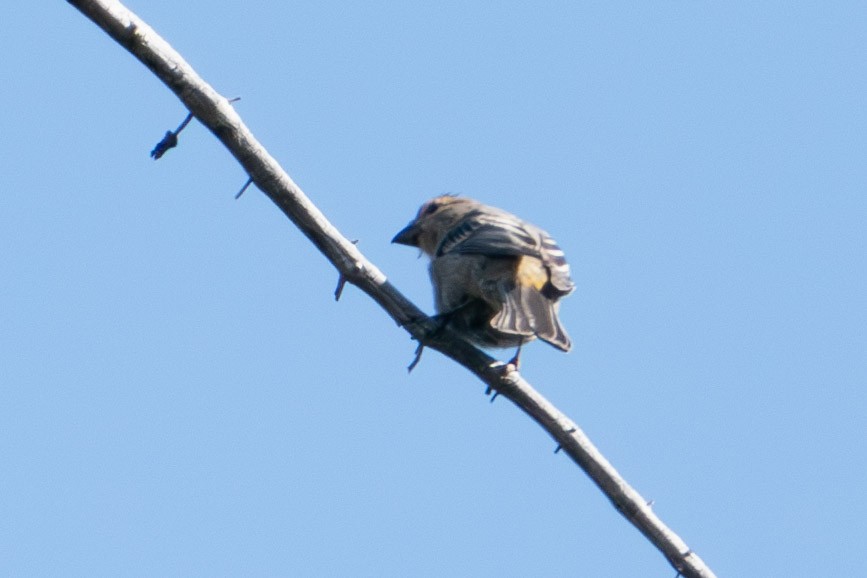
497 279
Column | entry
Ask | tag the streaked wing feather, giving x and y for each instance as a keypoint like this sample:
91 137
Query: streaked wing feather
491 234
501 234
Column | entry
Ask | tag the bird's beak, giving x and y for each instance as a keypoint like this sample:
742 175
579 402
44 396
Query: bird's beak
407 236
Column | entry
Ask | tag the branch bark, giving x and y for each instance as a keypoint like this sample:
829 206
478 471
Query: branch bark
218 115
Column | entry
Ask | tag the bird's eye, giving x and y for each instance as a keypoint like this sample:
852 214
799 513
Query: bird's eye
430 209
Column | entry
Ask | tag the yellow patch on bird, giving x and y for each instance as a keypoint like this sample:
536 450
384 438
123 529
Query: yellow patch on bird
531 271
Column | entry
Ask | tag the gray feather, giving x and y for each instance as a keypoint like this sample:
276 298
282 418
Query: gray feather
527 312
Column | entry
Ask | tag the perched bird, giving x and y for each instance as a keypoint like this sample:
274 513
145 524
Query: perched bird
497 279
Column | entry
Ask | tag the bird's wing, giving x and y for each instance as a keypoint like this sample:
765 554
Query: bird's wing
491 233
501 234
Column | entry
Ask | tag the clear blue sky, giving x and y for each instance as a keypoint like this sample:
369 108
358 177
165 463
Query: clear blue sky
181 396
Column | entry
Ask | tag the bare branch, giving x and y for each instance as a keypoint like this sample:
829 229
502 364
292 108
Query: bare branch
216 113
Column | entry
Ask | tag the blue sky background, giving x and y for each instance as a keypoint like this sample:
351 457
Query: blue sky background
181 396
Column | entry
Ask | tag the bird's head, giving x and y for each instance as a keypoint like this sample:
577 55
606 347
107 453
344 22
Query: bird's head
434 220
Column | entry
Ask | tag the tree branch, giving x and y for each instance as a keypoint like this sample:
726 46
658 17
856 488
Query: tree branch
217 114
